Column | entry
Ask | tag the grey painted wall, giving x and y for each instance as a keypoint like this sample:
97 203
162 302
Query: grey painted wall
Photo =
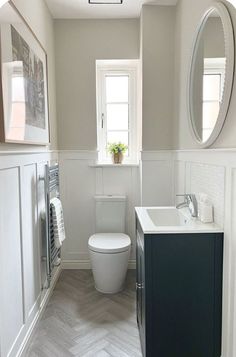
157 54
214 38
39 19
79 43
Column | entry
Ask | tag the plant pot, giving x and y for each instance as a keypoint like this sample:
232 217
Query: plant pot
117 158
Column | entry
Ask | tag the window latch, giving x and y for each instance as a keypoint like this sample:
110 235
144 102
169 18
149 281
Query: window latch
102 122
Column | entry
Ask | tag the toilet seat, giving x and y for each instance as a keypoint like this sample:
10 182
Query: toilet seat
109 242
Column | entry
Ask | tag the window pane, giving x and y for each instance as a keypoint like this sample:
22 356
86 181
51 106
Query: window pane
117 89
210 114
206 133
118 136
117 116
211 87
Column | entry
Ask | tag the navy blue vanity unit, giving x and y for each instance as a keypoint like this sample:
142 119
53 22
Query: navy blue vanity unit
179 293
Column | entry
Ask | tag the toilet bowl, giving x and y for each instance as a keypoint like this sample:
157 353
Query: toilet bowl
109 255
109 248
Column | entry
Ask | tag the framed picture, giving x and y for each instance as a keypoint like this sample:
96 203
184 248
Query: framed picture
23 77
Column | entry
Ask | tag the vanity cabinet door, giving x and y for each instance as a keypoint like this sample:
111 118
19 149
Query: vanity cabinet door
186 287
179 294
140 288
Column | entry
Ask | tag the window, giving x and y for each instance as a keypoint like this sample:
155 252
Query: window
18 114
213 87
117 108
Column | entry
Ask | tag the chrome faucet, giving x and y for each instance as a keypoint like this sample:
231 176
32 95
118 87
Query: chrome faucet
190 201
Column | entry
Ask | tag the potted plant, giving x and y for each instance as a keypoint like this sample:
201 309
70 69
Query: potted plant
117 150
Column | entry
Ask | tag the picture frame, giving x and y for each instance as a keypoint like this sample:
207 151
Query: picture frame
24 111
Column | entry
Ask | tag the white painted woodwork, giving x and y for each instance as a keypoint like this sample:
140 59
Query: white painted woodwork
232 268
163 173
81 180
157 180
31 264
11 297
20 246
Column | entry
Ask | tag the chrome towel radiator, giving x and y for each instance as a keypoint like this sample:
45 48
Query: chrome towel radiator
51 189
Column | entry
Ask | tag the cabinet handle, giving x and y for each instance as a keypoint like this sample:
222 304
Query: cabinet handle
138 286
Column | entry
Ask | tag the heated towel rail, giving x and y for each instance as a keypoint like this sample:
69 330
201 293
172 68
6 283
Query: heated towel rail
51 189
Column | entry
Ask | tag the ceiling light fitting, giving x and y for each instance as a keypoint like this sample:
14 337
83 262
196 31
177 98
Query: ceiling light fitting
105 2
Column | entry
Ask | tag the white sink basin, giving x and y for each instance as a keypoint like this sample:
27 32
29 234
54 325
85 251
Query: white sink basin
167 217
171 220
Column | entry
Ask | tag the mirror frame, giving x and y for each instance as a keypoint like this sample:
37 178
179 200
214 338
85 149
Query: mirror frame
229 75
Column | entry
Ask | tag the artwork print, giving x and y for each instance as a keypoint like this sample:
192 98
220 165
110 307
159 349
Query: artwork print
33 74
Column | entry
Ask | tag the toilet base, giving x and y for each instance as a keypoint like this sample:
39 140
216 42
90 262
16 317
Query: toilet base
109 292
109 271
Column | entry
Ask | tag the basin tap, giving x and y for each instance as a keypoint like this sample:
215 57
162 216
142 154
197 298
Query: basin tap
190 201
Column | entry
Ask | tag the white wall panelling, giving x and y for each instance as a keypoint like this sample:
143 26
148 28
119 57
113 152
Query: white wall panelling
232 268
77 190
214 172
157 178
20 245
160 176
163 174
81 180
196 178
31 253
11 279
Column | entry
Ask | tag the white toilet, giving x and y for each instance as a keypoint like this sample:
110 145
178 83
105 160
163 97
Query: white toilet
109 248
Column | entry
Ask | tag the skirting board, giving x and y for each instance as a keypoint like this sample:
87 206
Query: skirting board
85 264
39 313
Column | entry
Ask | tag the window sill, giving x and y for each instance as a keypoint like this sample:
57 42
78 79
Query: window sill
97 165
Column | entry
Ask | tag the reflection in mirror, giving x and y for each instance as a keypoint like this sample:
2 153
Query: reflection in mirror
208 76
14 94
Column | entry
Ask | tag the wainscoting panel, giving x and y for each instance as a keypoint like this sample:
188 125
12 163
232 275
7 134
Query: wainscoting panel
124 181
20 242
209 179
77 192
32 286
230 284
11 283
160 176
81 180
179 179
157 178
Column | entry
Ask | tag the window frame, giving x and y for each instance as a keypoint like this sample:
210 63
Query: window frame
214 66
116 69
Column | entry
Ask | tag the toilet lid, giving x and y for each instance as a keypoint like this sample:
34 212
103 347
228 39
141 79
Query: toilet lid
109 242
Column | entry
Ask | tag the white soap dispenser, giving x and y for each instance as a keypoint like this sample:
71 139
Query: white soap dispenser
205 209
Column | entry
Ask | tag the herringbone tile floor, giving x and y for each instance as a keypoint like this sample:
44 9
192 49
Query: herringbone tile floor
81 322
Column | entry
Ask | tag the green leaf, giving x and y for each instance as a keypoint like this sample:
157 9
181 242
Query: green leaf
115 148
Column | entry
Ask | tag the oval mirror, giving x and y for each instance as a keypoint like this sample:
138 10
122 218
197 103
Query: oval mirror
211 75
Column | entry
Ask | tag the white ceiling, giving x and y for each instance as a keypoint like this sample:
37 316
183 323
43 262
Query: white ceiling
80 9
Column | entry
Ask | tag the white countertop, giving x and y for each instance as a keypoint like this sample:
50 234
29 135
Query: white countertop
189 224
